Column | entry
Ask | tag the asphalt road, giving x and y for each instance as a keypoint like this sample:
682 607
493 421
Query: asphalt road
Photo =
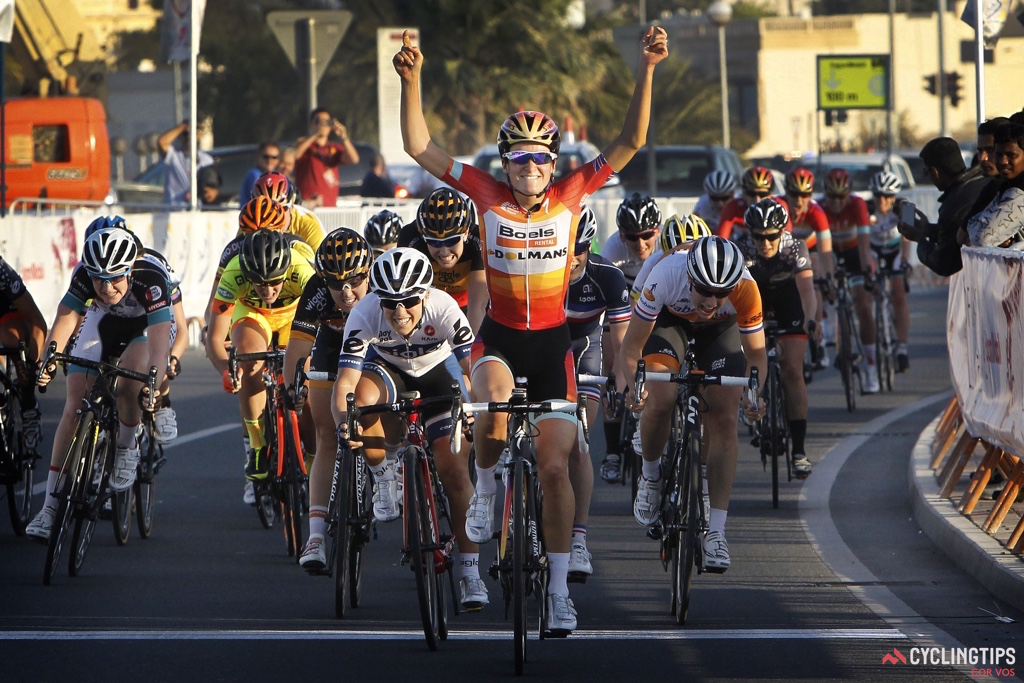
820 589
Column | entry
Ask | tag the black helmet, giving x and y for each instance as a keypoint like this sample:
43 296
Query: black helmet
638 213
766 216
382 228
343 254
265 256
443 214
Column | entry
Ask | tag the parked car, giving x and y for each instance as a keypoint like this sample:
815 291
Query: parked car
680 169
570 156
233 163
860 167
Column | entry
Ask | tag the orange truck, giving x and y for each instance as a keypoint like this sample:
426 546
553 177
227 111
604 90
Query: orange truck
56 147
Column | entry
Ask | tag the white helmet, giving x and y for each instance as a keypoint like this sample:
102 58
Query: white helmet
885 183
715 263
110 252
719 183
401 272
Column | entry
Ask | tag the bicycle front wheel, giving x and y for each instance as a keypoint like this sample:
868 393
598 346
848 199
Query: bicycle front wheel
121 503
341 514
145 484
771 436
74 480
18 469
420 528
690 500
362 529
93 485
845 358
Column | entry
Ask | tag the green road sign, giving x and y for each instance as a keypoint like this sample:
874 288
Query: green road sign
853 81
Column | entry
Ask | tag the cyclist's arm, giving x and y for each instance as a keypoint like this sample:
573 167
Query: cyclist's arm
654 48
298 349
348 377
808 300
415 134
616 335
478 299
637 332
64 325
466 366
26 305
181 341
219 321
158 339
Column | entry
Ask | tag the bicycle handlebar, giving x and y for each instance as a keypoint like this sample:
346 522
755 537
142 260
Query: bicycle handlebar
696 378
461 409
51 357
234 358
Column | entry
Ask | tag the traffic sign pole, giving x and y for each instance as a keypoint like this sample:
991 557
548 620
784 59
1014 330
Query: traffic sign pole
311 78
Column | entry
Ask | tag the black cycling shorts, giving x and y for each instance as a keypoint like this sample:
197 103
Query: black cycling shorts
782 304
717 345
437 381
323 358
543 357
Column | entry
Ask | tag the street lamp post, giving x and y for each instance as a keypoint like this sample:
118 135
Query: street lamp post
720 14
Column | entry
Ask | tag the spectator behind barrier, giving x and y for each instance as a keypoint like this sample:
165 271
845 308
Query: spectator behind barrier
267 159
1001 222
937 246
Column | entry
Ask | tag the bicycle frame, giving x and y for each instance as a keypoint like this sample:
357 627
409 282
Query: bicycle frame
849 349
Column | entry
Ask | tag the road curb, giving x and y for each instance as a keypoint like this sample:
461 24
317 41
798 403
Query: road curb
974 551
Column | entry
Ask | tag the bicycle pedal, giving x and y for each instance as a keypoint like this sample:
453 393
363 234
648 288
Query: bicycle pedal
655 532
555 633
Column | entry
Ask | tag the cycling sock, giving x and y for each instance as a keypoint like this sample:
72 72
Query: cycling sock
579 535
717 521
317 520
126 435
611 437
469 565
651 470
51 501
558 573
485 484
798 432
256 439
901 348
869 353
382 472
245 446
391 451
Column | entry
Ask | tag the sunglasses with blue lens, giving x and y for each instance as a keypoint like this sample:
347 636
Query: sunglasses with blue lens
438 244
521 158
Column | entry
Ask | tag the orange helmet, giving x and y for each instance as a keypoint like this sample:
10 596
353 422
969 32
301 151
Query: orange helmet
757 179
262 212
837 183
800 181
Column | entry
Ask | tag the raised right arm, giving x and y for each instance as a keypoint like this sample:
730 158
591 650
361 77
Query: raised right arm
408 63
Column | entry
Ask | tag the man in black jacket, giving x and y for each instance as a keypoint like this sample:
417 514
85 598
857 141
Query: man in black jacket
937 246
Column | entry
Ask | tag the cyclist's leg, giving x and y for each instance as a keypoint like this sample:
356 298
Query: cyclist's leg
612 425
900 307
16 328
322 470
251 334
378 384
587 354
663 352
790 316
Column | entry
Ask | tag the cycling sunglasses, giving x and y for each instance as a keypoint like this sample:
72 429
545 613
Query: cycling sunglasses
269 283
759 195
440 244
113 279
710 293
767 236
720 198
351 283
799 194
640 235
407 302
521 158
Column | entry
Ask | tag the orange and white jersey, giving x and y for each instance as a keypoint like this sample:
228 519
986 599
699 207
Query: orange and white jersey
527 253
668 288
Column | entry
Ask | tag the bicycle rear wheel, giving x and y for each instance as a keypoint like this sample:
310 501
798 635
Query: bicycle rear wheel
18 469
771 436
74 480
519 564
691 501
94 485
342 516
145 484
294 514
845 358
420 527
121 503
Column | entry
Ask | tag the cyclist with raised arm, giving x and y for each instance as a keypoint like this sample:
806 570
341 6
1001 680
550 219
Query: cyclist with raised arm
597 294
21 321
892 253
317 331
382 230
396 340
129 318
300 221
441 233
808 222
719 190
257 297
757 183
780 265
639 223
528 228
707 295
850 225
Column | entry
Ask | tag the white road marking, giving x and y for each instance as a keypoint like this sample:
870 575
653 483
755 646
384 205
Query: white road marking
411 634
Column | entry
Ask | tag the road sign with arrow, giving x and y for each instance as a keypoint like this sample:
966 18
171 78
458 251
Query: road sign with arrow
853 82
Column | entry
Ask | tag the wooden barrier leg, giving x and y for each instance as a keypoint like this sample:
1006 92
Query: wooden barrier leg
954 468
980 480
1006 499
941 444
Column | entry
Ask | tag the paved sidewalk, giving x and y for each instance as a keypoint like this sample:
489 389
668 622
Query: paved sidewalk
974 551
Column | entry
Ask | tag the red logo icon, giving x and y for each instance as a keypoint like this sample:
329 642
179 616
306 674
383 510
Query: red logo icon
896 657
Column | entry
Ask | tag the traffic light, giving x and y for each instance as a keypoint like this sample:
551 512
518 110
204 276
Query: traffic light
932 84
953 88
833 116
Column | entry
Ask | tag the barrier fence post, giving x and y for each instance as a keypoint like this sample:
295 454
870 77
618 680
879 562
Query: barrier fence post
957 462
945 431
980 480
1006 499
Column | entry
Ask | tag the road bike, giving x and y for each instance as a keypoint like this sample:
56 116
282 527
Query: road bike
17 463
521 565
683 518
885 324
82 485
285 491
773 428
849 349
429 543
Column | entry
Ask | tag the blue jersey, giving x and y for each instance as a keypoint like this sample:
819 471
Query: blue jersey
602 288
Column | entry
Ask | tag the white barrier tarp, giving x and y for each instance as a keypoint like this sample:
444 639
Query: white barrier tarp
985 331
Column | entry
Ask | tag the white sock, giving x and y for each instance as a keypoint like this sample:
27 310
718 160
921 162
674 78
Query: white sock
717 521
485 484
391 451
51 501
317 522
126 435
651 470
469 565
382 472
869 353
558 572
